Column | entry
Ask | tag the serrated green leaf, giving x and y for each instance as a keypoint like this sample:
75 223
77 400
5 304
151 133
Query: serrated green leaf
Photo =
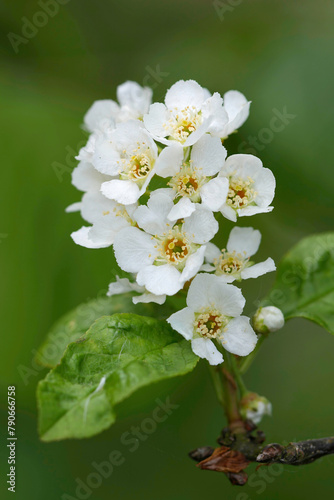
304 284
118 355
75 323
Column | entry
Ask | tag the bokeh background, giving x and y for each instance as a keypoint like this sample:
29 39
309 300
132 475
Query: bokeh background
280 55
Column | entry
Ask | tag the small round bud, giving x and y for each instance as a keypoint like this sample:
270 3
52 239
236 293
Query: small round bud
268 319
254 407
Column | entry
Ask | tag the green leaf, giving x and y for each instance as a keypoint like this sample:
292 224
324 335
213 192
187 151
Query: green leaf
118 355
75 323
304 284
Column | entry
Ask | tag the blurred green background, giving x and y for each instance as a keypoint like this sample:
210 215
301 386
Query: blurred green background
280 54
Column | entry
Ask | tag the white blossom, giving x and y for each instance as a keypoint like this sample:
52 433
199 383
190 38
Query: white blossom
107 218
134 102
213 315
251 187
255 407
128 155
192 175
188 113
233 263
268 319
164 254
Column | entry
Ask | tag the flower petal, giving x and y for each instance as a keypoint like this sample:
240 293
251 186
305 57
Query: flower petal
123 285
193 264
101 110
155 119
212 253
135 97
214 193
81 237
259 269
208 290
124 192
183 322
146 298
237 107
160 280
169 161
153 217
205 348
86 178
239 336
133 249
185 93
228 212
183 209
208 154
244 240
201 226
248 211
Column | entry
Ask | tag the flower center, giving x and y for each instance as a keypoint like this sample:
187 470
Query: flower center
183 122
174 248
187 182
210 324
230 262
137 166
240 193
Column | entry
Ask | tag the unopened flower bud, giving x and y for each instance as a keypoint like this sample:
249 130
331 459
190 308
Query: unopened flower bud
268 319
254 407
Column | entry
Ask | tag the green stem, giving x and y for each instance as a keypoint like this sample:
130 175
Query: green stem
237 376
246 362
218 383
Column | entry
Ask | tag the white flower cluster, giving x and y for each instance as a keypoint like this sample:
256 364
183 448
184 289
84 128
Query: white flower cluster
155 177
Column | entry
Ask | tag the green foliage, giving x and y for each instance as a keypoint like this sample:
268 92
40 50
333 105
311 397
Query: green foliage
118 355
75 323
304 284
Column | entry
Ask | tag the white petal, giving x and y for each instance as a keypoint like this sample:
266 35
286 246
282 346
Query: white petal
146 298
239 336
123 285
160 280
237 108
183 322
258 269
228 212
244 240
208 154
243 165
155 119
95 206
201 226
264 185
208 290
124 192
205 348
86 178
185 93
153 217
81 237
212 252
207 268
106 159
169 161
253 210
214 193
133 249
183 209
193 264
74 207
132 95
213 109
99 111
